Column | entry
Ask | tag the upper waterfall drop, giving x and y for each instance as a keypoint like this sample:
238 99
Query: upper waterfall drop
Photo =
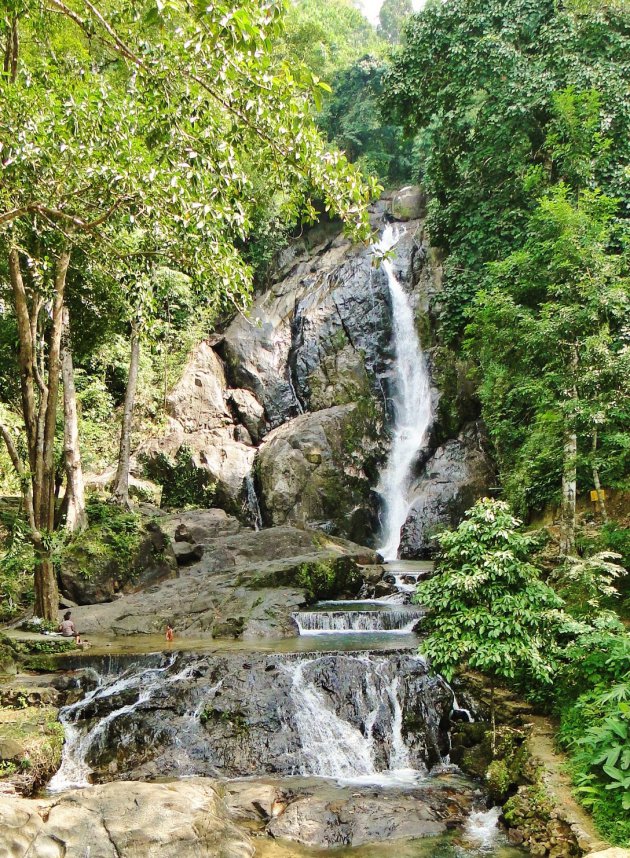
412 408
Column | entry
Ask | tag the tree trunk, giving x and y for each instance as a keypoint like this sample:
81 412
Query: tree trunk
569 492
76 517
569 465
46 591
120 492
601 503
493 722
40 420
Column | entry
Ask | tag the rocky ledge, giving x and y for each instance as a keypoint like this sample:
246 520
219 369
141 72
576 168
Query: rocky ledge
232 581
123 820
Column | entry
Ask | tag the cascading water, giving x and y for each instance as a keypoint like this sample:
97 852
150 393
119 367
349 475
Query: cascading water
333 747
357 622
412 408
75 769
253 506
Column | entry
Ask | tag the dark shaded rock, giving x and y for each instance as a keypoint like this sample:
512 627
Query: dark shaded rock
453 478
86 579
187 552
249 412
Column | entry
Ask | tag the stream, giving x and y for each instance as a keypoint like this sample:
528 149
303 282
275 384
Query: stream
343 725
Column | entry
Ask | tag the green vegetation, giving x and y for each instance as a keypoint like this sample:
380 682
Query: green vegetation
325 580
487 607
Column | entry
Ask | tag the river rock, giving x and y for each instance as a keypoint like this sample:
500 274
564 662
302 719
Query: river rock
245 584
615 852
454 477
313 471
409 203
123 820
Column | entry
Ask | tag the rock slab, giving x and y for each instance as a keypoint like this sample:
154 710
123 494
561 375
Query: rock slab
123 820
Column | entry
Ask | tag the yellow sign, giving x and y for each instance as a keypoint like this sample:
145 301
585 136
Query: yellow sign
602 495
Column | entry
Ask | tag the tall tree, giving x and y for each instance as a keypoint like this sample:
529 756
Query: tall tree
115 118
392 17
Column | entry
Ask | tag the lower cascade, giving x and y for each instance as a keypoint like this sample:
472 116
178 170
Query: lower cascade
347 716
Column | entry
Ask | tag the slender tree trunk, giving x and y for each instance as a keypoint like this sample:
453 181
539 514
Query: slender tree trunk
76 517
40 419
120 492
601 503
493 721
569 465
569 492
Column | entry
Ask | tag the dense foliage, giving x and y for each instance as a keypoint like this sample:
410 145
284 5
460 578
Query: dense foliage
477 80
487 607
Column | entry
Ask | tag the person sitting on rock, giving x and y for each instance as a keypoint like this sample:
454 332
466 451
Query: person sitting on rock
66 627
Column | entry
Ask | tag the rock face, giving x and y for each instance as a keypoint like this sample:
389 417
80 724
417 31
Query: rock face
284 417
201 425
456 475
123 820
310 812
236 714
86 581
232 581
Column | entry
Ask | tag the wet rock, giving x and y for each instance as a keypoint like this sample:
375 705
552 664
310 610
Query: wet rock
123 820
454 477
244 714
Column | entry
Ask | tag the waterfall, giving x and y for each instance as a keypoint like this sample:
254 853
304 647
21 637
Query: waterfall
412 409
251 499
75 769
357 622
333 747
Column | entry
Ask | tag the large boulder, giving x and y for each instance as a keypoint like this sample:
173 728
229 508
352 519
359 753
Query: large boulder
123 820
233 581
409 203
95 570
454 477
317 469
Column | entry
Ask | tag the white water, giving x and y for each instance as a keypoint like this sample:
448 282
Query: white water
75 770
412 409
332 747
482 829
357 622
252 502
